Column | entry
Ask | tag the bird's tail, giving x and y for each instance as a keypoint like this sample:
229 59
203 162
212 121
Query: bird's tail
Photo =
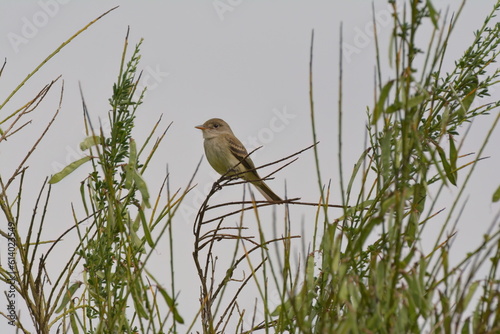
267 192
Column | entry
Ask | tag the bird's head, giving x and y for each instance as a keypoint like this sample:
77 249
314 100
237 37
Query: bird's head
214 127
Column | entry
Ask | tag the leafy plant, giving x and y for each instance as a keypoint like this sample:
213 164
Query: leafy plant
364 271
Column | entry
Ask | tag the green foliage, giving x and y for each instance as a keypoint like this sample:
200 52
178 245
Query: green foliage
391 285
366 271
113 250
116 294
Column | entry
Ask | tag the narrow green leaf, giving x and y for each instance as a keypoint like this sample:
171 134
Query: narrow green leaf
310 271
471 84
415 100
366 231
171 304
133 177
387 203
281 308
411 228
89 142
472 289
414 293
138 302
466 326
133 154
72 320
446 166
68 170
68 296
418 204
453 156
410 103
129 176
356 169
496 195
141 185
391 50
352 210
445 259
380 281
385 147
145 227
336 255
433 14
130 169
445 303
136 241
445 118
379 107
394 107
136 223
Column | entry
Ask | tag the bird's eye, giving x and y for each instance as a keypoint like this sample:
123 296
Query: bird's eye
216 126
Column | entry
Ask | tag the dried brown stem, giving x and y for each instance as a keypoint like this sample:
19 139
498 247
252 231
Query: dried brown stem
206 265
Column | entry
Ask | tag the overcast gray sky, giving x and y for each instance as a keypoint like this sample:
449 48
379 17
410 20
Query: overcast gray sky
243 61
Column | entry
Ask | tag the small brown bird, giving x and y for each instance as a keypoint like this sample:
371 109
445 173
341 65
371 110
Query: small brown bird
225 152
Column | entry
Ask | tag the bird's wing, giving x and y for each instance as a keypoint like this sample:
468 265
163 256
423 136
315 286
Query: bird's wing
240 152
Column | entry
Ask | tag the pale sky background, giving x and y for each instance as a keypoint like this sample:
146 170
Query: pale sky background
247 65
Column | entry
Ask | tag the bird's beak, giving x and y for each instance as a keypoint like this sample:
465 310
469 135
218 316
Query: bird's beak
201 127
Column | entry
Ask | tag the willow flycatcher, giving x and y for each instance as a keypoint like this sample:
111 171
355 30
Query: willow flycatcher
227 155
